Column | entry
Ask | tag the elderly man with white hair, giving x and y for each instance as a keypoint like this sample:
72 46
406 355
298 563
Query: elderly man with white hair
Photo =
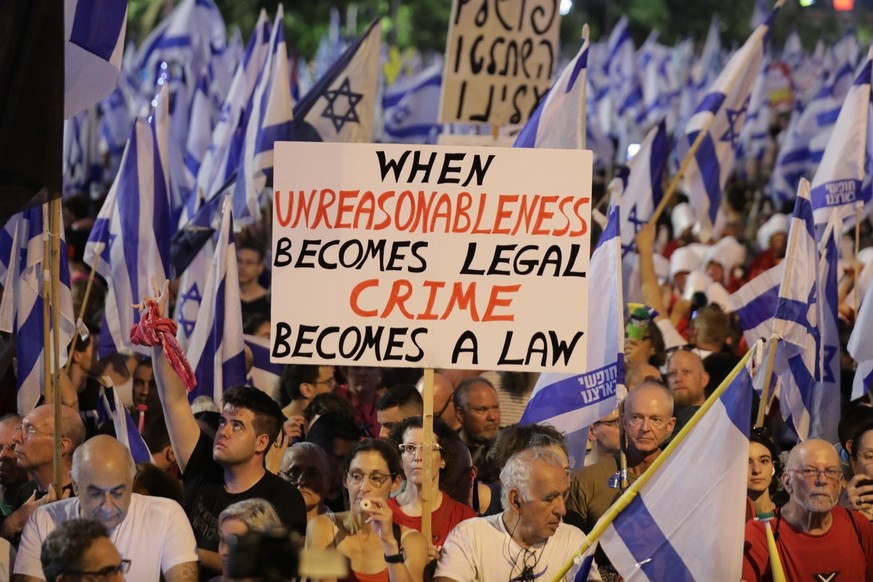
528 541
152 532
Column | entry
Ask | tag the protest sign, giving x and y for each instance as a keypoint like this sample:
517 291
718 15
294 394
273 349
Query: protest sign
499 60
430 256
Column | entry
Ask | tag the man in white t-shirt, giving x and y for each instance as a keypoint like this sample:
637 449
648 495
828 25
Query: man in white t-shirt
529 540
152 532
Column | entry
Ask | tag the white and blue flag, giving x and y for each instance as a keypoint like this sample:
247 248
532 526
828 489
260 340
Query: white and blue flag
94 32
572 402
130 243
797 321
22 266
269 121
125 429
559 119
826 400
840 179
264 374
411 105
721 114
340 107
755 303
669 530
216 347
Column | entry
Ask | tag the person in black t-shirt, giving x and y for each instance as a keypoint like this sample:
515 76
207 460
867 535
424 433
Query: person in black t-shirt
232 468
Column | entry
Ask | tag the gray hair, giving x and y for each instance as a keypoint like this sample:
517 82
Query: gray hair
462 392
304 447
258 514
517 474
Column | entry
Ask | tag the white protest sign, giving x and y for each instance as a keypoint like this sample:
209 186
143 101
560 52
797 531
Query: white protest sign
499 59
431 256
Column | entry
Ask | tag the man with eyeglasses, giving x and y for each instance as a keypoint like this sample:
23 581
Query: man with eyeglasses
648 421
80 549
816 539
302 383
12 477
34 452
604 438
152 532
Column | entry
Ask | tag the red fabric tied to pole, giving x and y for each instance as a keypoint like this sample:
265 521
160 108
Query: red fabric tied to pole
152 330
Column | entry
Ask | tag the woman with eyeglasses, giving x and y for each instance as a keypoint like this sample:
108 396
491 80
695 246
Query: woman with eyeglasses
764 472
378 549
859 490
446 513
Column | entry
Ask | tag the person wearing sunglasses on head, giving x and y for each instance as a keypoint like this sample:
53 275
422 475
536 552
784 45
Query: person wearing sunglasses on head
815 539
378 549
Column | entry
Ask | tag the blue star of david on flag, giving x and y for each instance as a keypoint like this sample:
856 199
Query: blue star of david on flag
735 118
331 112
190 300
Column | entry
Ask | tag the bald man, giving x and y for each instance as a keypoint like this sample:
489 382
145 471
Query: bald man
816 539
648 420
152 532
443 390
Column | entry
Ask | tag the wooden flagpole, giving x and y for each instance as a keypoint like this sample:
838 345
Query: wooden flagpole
768 378
427 457
55 264
622 502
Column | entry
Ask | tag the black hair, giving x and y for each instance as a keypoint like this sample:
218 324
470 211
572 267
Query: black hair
297 374
254 321
401 396
388 452
330 426
329 402
268 417
249 244
64 547
853 419
659 358
514 439
153 481
762 436
859 432
445 438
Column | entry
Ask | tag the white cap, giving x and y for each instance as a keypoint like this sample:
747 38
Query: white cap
684 259
697 282
728 253
716 293
777 223
682 217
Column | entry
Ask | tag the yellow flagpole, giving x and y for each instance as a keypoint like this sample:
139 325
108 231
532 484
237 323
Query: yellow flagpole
775 560
634 489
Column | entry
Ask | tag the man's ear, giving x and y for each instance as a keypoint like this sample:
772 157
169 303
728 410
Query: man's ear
306 389
263 441
66 446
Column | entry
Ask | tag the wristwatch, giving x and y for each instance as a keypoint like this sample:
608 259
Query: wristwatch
397 558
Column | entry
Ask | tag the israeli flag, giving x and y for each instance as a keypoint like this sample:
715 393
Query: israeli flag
826 399
721 113
798 317
129 245
559 119
264 374
22 268
669 530
410 107
94 33
861 348
125 429
216 349
837 185
755 303
221 160
269 121
640 186
572 402
342 104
